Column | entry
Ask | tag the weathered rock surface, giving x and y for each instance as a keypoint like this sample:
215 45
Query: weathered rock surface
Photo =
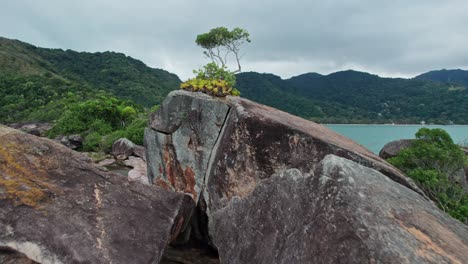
122 148
106 162
33 128
342 212
139 151
71 141
256 141
8 256
57 207
138 171
391 149
224 151
182 135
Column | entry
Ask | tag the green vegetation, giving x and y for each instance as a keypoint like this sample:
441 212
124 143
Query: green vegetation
102 96
436 163
38 97
357 97
38 84
215 78
101 121
458 78
212 80
110 72
220 42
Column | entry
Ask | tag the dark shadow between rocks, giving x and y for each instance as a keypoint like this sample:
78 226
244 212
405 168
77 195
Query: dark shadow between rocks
199 248
11 256
192 252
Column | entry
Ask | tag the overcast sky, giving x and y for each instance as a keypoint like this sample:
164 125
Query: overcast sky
398 38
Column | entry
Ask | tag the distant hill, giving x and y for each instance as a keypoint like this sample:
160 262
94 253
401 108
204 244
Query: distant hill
38 83
112 72
358 97
456 77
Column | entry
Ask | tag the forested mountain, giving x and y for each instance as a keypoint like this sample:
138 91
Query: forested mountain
357 97
37 83
455 77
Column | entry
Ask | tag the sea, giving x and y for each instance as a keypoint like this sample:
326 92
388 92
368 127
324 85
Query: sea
374 137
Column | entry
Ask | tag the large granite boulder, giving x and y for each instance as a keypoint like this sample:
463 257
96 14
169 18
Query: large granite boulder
342 212
281 183
194 134
391 149
57 207
124 148
179 143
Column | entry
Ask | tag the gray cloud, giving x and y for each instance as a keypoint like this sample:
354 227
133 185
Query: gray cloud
390 38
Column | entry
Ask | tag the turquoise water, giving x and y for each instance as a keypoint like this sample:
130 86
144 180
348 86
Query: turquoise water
374 137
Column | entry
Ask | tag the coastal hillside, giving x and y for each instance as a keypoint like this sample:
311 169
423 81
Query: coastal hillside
455 77
358 97
37 83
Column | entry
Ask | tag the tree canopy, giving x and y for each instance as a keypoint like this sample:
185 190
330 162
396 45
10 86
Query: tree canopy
220 43
436 163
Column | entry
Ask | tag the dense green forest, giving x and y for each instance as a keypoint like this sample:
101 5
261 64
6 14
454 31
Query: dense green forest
102 96
110 72
452 77
358 97
39 84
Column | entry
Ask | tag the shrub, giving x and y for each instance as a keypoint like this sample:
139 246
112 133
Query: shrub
99 115
92 142
434 161
212 80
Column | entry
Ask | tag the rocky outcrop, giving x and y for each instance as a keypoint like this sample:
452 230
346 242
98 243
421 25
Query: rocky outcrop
138 171
341 212
255 142
124 148
179 143
391 149
275 188
39 129
72 141
57 207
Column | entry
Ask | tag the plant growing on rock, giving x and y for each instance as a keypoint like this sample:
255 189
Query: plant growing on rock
215 78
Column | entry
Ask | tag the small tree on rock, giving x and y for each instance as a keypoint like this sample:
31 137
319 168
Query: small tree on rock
215 78
220 43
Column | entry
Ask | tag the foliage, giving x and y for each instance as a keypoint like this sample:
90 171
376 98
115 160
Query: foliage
113 73
212 72
215 87
101 121
103 111
220 42
92 142
38 98
356 97
214 78
433 161
454 77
